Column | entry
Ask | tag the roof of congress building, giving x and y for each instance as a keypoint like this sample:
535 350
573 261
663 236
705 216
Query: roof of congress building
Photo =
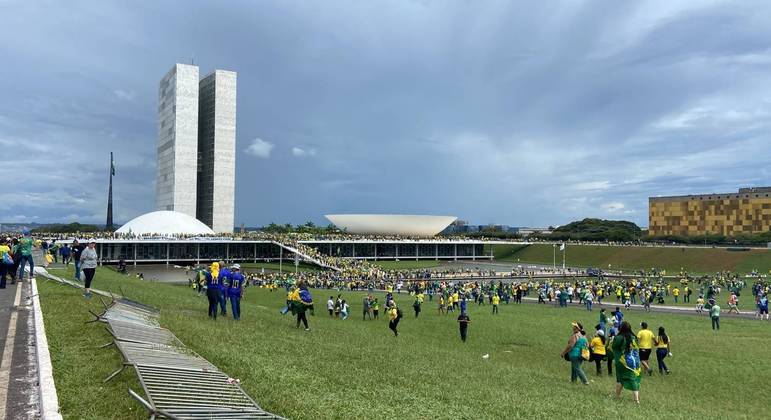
165 223
391 224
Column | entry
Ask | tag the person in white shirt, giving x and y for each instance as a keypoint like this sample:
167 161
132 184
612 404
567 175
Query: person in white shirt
331 305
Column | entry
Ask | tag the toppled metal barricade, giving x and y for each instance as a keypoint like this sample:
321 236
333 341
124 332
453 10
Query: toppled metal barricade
178 383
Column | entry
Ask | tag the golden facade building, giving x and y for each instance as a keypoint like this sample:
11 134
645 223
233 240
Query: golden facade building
745 212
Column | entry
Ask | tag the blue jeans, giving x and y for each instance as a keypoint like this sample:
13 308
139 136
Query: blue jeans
223 302
235 306
77 269
22 262
589 305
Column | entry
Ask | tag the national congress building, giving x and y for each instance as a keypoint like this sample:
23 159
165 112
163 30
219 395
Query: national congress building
747 211
197 145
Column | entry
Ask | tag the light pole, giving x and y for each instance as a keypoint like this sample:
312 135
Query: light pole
554 256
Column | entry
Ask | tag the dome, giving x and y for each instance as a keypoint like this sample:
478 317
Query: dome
391 224
165 223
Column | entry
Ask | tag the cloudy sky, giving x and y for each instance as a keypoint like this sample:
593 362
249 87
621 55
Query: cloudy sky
521 113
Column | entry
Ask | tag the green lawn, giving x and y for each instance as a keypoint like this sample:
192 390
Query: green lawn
701 260
357 369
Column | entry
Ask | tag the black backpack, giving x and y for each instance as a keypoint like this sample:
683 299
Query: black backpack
398 313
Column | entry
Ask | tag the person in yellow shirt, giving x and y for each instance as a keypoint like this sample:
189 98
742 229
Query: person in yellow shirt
394 316
496 301
441 305
662 350
5 256
675 293
597 347
645 340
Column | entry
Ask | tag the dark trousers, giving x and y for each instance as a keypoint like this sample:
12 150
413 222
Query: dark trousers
597 358
222 301
301 318
715 322
89 272
660 355
495 309
235 307
463 333
610 364
3 273
213 295
393 324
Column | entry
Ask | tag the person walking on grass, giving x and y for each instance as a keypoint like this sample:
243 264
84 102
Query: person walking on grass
597 347
77 250
88 261
394 316
344 310
302 305
609 350
714 315
416 306
662 350
463 321
365 305
331 306
645 341
235 290
577 346
626 360
495 300
25 250
700 305
375 308
733 303
763 307
212 291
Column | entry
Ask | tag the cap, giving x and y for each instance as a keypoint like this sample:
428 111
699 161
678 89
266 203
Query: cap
92 241
236 267
601 333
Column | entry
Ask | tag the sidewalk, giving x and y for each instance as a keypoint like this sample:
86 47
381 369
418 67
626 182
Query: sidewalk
19 392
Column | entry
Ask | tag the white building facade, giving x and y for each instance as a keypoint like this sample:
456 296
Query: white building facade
217 150
196 145
178 140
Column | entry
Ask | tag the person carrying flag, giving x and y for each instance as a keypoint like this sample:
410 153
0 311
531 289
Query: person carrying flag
235 290
301 305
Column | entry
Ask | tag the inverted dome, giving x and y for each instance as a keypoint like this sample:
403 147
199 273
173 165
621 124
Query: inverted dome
165 223
391 224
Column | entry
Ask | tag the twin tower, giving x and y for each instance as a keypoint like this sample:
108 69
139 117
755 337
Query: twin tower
197 145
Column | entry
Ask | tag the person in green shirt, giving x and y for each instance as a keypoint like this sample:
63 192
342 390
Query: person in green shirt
25 248
626 359
714 314
572 353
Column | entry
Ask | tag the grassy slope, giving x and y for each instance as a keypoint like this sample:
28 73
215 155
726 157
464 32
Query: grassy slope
355 369
671 259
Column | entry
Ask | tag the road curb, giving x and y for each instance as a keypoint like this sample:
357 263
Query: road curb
49 402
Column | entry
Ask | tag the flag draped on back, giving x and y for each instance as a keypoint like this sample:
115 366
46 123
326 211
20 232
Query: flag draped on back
562 247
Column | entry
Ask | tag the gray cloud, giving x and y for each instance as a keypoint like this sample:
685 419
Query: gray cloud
490 111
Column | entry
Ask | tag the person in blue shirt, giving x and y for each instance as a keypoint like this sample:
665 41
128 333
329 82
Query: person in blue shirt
224 279
212 290
235 290
618 315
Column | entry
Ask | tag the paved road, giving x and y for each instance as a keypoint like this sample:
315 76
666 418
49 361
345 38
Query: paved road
18 370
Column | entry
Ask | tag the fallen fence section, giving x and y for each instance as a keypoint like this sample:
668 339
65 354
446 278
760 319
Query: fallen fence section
178 383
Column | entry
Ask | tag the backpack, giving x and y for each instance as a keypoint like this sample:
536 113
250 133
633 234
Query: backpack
398 313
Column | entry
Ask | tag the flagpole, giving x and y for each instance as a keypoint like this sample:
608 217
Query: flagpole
564 250
108 226
554 256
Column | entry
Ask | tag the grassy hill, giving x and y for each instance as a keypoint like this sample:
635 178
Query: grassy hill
357 369
697 260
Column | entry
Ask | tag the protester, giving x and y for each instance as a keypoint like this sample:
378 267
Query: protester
224 280
25 249
77 250
662 342
597 347
627 361
88 260
714 314
305 301
212 291
344 309
331 306
394 315
573 352
645 340
463 321
235 291
6 262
